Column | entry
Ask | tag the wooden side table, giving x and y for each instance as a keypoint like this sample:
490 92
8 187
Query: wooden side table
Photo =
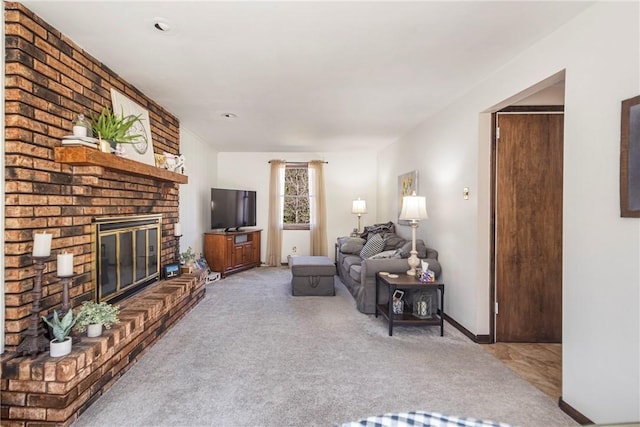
405 282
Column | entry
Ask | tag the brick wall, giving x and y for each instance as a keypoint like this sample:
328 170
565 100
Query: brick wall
49 80
45 391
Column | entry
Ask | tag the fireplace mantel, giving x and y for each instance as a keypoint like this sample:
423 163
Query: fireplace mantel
85 156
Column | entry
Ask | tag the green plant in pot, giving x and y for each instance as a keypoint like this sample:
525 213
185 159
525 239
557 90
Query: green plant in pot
188 258
61 344
93 316
116 128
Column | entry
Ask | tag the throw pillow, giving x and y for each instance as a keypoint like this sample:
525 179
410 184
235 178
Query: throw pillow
421 248
393 241
373 246
387 254
353 245
370 230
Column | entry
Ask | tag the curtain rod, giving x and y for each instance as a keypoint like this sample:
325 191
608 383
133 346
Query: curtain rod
301 162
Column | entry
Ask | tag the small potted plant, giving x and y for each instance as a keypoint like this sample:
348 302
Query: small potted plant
61 344
188 260
115 128
93 316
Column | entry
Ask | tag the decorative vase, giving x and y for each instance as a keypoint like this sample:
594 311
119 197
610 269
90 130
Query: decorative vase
94 330
58 349
81 126
398 306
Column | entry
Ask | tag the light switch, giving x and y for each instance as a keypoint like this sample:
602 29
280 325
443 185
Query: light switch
465 193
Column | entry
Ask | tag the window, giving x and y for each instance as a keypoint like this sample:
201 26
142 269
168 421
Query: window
296 197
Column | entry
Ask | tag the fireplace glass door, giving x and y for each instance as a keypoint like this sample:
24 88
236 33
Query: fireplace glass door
128 258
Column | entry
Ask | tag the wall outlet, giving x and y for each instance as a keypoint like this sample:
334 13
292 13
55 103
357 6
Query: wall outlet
294 249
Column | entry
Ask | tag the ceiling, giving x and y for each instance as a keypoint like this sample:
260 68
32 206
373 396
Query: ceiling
304 76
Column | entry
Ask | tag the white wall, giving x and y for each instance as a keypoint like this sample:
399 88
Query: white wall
195 197
600 51
347 177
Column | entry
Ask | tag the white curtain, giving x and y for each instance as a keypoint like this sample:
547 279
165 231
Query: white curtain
276 206
317 205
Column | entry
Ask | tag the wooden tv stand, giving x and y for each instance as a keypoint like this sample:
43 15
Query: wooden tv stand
233 251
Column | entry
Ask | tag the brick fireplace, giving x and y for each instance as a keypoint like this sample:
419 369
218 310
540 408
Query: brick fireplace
49 80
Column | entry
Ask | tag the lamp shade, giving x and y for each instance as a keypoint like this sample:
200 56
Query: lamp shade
414 208
359 207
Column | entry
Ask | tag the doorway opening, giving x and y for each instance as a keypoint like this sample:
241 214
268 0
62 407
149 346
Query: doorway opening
530 347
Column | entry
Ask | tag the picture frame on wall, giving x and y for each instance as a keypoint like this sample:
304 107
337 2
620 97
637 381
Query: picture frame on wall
407 184
630 158
141 150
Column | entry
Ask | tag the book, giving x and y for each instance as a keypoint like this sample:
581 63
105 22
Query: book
80 138
79 142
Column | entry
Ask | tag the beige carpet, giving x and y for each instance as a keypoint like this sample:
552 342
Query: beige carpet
250 354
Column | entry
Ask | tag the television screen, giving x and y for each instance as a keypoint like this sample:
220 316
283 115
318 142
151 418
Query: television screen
232 208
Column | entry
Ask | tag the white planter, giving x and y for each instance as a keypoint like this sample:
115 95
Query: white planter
57 349
94 330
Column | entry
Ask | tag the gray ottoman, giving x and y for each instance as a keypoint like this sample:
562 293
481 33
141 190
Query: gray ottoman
312 276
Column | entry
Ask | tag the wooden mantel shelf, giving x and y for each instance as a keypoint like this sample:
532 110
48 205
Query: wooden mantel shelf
85 156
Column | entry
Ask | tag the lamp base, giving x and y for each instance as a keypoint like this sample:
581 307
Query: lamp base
413 262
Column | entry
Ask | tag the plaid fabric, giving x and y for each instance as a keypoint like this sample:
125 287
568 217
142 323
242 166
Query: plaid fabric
421 419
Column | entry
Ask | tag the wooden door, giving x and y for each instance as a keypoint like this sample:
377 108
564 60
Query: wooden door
529 227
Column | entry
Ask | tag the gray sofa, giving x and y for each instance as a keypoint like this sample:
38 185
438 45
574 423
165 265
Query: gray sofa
359 274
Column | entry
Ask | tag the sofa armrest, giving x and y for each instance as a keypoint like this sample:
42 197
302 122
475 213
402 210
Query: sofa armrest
432 253
391 265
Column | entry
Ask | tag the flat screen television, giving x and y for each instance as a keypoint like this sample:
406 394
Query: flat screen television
232 209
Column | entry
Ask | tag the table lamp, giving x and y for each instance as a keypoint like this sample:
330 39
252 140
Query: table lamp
414 208
359 207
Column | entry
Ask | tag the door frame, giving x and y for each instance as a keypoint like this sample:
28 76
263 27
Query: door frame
492 203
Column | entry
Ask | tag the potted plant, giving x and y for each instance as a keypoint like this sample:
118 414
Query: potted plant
188 260
61 344
93 316
189 256
115 128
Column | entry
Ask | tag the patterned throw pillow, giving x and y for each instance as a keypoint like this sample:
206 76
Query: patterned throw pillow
373 246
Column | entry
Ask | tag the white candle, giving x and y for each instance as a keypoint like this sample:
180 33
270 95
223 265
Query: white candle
65 265
177 230
42 245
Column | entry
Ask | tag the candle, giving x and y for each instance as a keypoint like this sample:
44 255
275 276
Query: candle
42 245
177 230
65 265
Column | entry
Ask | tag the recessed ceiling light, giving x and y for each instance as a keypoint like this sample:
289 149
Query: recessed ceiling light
228 116
161 25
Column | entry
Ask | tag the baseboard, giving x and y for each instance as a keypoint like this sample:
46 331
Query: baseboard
479 339
573 413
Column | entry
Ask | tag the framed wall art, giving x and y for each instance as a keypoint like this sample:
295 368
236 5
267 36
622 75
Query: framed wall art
407 184
141 150
630 158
